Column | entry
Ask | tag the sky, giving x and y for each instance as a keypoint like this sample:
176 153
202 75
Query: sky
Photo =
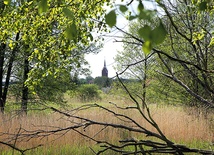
109 51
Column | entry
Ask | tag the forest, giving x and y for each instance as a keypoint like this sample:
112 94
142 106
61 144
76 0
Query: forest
160 101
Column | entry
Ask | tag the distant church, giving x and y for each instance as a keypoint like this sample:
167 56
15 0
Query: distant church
104 70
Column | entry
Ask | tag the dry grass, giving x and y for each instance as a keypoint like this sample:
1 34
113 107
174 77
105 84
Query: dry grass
173 121
180 126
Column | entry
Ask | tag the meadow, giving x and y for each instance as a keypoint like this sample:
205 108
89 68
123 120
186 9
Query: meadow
181 125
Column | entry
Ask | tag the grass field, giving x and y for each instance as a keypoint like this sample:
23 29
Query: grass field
192 130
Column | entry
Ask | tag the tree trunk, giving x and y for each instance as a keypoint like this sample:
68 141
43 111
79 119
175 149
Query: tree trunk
3 92
2 54
25 91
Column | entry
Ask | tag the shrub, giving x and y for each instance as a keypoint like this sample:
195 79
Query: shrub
88 92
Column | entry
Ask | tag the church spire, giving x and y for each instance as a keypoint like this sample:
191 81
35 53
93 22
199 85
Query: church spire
104 62
104 71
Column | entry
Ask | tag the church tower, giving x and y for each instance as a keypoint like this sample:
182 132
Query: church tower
104 71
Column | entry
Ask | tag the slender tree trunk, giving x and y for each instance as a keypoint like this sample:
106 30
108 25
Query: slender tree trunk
144 84
2 54
25 91
4 91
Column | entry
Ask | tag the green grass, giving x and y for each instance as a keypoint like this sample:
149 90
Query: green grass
204 145
61 150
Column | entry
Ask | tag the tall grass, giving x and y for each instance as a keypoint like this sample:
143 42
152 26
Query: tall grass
173 121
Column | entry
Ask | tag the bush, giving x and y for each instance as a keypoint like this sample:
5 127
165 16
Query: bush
88 92
102 82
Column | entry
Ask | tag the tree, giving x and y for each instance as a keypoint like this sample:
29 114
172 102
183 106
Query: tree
7 57
190 53
88 93
131 62
50 88
187 59
89 79
102 82
51 33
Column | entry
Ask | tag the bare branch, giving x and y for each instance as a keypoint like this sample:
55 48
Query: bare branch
135 63
188 89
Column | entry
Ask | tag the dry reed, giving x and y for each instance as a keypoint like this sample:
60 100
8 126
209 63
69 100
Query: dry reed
173 121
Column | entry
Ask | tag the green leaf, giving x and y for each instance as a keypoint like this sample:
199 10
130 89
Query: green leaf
146 15
43 6
71 32
147 47
203 6
145 32
11 45
211 42
158 34
123 8
7 2
140 6
132 17
91 37
111 18
36 51
68 13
